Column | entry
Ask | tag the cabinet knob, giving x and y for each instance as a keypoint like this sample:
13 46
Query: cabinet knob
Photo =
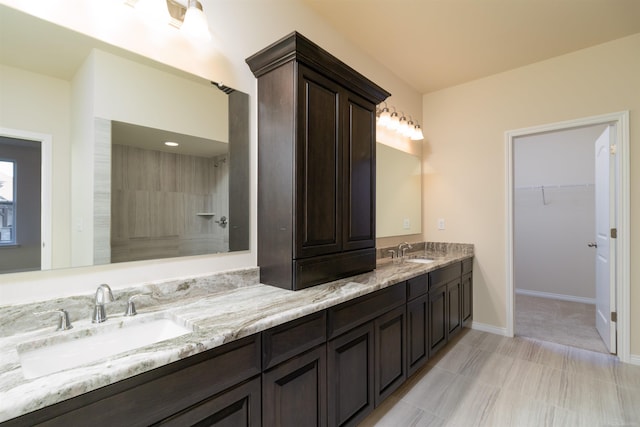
592 244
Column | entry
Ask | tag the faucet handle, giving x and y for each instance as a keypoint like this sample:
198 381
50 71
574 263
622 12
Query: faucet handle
64 322
393 253
131 307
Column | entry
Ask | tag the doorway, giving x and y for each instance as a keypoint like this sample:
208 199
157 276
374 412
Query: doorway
28 244
554 223
619 180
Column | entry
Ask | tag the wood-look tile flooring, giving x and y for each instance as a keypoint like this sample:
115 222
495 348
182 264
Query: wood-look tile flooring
562 322
482 379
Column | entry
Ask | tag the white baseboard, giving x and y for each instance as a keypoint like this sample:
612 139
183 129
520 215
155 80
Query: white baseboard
634 359
561 297
484 327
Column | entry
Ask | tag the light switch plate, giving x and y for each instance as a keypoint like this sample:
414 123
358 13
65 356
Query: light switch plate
441 224
406 224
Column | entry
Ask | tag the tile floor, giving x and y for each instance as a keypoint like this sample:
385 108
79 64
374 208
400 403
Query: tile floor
562 322
482 379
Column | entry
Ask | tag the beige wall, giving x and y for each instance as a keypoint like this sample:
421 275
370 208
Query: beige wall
464 153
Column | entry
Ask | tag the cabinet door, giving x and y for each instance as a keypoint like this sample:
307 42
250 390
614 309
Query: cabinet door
467 299
438 320
294 393
390 354
454 312
238 407
350 376
318 200
417 333
359 154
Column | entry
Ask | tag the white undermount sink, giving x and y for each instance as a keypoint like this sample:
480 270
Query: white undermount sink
76 349
421 260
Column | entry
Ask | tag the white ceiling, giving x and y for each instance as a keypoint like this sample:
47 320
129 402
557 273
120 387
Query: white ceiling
433 44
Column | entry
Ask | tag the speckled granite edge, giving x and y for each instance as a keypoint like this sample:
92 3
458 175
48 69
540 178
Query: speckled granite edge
218 314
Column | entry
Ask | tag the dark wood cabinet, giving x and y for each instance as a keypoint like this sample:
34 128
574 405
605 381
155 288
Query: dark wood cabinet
466 305
438 316
450 302
454 312
366 353
294 393
417 333
316 165
350 361
294 382
417 323
390 357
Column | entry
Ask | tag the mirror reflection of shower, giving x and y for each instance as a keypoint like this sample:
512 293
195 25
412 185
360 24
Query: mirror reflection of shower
167 201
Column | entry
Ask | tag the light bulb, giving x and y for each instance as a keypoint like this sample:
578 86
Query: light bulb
385 117
404 126
417 133
195 22
394 121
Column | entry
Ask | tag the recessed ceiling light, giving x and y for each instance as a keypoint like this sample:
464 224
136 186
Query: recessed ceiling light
171 144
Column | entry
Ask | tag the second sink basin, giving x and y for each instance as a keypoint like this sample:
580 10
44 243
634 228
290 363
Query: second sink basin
76 349
421 260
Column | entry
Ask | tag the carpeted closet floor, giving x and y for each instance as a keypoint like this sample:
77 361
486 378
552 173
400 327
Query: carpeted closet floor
561 322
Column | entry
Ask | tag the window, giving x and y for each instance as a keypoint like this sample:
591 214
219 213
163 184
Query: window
7 202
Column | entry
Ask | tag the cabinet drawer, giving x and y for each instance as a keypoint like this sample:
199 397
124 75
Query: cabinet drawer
467 266
321 269
350 314
417 286
292 338
444 275
239 406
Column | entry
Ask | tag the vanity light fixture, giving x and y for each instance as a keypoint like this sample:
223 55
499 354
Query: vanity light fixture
399 123
171 144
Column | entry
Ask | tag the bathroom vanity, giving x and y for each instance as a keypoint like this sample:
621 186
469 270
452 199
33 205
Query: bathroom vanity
258 355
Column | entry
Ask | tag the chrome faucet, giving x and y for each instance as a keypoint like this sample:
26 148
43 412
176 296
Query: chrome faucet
103 296
63 318
402 249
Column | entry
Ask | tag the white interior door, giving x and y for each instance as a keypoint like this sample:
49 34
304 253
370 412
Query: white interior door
605 274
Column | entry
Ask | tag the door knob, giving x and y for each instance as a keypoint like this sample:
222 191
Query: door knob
592 244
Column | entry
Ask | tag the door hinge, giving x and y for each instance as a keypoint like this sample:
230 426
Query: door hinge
612 149
614 233
614 316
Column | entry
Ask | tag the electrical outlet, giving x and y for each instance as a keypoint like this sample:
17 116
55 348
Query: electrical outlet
406 224
441 224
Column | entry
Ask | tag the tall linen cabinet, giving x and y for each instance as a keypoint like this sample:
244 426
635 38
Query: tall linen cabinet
316 165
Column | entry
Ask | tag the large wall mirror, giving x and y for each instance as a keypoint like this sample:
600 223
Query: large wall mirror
96 118
398 192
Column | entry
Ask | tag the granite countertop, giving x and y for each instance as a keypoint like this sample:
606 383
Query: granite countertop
217 313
